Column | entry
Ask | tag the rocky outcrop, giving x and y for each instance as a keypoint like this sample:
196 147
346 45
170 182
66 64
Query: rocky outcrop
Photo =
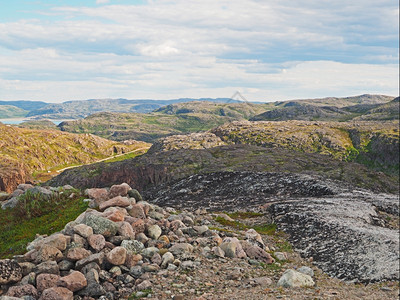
343 234
166 166
340 228
202 140
11 177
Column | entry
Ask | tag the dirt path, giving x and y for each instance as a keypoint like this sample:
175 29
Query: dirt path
100 160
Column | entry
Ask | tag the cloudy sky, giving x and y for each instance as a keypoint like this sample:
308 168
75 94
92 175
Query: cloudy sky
162 49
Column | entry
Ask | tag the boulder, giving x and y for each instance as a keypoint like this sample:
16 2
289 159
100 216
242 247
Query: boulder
232 248
154 231
10 271
94 258
47 252
49 267
116 201
83 230
116 256
75 281
96 241
119 190
57 293
181 248
291 278
101 225
77 253
98 195
137 211
45 281
255 252
133 246
22 290
125 229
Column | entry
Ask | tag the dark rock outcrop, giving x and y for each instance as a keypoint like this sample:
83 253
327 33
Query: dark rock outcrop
340 228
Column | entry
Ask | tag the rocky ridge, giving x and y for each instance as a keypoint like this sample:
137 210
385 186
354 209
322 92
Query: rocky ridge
325 220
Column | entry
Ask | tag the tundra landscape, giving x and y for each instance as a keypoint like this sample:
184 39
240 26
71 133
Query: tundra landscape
204 199
199 150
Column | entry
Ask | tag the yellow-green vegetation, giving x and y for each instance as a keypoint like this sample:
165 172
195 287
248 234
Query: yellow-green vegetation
173 119
10 111
374 144
37 215
50 150
244 214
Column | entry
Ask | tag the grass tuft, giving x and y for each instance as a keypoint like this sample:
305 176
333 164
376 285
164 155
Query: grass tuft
36 215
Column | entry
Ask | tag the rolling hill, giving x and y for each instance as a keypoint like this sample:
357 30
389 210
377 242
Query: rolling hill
25 152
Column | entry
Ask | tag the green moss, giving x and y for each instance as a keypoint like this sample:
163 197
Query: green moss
244 215
50 216
235 224
268 229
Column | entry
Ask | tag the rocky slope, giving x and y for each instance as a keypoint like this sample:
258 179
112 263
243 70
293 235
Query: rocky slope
129 248
374 144
160 167
24 151
342 229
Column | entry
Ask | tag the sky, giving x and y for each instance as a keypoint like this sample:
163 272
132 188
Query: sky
268 50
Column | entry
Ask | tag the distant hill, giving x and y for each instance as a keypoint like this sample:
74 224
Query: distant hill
84 108
25 104
177 118
365 107
342 102
9 111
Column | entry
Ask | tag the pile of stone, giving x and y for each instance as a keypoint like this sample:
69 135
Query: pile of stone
109 250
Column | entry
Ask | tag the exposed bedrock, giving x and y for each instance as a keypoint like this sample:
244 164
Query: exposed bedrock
346 231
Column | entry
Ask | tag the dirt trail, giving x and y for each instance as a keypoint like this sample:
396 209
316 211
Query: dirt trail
100 160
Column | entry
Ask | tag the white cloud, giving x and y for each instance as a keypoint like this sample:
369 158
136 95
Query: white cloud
268 50
102 1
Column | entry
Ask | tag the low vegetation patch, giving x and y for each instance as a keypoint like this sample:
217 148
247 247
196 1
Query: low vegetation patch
37 215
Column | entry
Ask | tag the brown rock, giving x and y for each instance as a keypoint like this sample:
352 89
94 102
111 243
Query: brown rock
57 293
115 216
74 281
138 226
117 256
96 241
47 252
45 281
57 240
137 211
176 224
116 201
78 253
125 229
256 252
10 271
98 195
119 190
232 248
22 290
132 259
83 230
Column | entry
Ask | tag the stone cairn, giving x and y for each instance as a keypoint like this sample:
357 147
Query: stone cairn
108 250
